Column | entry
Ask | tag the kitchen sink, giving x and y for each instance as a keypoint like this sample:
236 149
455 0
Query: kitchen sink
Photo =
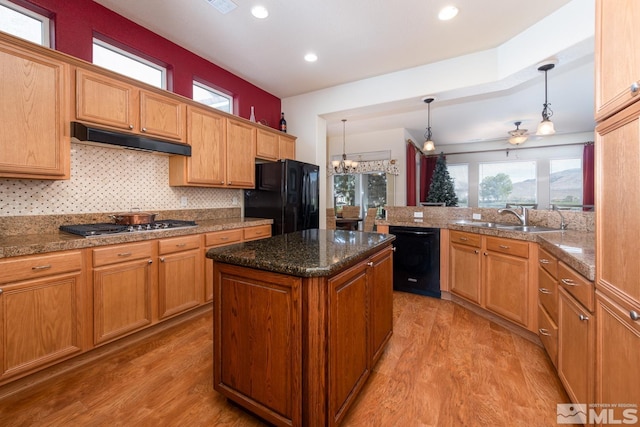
507 227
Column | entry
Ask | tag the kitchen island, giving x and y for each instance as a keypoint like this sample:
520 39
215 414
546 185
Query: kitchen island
300 319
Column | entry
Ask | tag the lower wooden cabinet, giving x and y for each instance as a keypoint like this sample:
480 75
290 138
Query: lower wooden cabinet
380 277
180 275
42 307
465 263
122 290
213 240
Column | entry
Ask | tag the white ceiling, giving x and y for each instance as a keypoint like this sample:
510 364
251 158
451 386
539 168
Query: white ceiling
357 39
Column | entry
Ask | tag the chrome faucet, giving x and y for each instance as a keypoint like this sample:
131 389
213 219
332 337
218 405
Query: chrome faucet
524 217
563 225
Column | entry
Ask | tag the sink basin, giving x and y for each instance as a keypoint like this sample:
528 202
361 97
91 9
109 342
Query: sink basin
480 223
509 227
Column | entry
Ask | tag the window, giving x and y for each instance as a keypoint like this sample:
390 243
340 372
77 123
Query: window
460 175
565 182
211 97
123 62
24 23
507 182
368 190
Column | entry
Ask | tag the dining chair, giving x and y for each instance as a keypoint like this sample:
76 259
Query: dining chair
370 219
331 219
350 211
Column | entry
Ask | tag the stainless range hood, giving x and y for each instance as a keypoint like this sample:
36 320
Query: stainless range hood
82 132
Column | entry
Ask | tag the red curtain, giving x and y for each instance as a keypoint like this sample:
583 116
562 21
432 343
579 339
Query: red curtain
588 155
411 174
427 167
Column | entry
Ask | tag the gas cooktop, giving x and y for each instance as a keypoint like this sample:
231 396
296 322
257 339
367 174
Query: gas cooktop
101 229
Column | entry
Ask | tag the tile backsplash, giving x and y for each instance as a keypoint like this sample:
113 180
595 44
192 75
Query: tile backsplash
109 180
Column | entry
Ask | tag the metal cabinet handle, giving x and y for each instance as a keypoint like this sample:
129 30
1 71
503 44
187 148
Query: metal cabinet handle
393 248
144 129
544 332
370 263
503 247
180 245
634 315
568 282
124 254
162 259
1 291
130 126
634 87
41 267
224 238
476 252
150 261
583 317
543 261
464 239
544 291
485 254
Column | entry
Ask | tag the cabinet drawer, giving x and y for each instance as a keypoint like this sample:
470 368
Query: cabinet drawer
223 237
121 253
463 238
579 287
548 332
508 246
25 268
548 262
258 232
548 293
178 244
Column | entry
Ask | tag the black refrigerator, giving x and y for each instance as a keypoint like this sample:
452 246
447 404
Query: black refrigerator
287 192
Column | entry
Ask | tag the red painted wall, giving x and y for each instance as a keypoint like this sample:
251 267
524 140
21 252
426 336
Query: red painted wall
76 22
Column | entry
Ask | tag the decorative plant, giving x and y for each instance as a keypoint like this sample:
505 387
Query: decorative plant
442 189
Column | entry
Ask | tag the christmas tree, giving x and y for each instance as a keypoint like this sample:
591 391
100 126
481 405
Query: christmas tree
442 188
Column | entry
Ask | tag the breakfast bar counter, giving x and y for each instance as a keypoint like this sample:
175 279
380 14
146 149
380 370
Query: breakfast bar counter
299 321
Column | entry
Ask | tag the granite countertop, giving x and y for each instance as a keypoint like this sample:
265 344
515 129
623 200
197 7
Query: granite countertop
574 248
29 244
308 253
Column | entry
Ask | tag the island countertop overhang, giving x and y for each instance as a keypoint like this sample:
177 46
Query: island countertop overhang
307 253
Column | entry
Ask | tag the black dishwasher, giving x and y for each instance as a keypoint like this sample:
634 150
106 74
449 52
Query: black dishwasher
416 261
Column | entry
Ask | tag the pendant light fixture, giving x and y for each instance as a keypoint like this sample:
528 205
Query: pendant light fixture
344 166
428 142
546 125
518 136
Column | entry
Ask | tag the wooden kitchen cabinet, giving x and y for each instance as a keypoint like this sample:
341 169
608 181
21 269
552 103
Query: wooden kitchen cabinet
380 277
206 167
42 306
180 275
617 40
241 154
548 303
576 348
267 145
287 145
257 232
112 102
465 263
123 279
213 240
34 100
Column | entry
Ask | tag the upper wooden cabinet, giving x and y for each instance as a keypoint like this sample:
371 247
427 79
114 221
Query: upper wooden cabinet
287 147
34 100
114 103
274 145
241 154
617 57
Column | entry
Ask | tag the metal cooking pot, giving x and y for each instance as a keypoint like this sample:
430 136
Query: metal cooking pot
133 218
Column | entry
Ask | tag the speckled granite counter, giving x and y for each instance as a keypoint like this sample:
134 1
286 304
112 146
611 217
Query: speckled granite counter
309 253
28 244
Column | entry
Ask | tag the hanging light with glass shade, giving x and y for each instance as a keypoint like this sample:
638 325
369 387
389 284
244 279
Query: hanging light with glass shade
428 142
344 166
517 136
546 125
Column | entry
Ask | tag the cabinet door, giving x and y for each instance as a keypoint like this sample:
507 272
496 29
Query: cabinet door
617 42
241 154
506 281
617 200
287 147
103 100
464 272
121 299
618 353
267 145
206 134
34 100
575 349
161 116
180 284
380 278
40 322
348 338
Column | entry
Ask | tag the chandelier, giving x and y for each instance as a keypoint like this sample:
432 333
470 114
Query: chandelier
546 125
517 136
344 166
428 143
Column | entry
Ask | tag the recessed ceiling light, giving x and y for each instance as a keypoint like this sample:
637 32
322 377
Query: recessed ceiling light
311 57
259 12
448 12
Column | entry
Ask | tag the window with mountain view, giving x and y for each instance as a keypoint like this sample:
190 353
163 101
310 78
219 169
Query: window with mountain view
505 183
565 182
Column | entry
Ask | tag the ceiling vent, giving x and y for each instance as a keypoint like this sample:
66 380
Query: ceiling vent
222 6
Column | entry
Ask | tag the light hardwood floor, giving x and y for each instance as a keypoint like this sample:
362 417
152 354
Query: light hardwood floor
444 366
